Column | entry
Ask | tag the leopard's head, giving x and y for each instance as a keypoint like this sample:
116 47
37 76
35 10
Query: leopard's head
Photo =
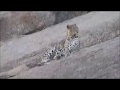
72 30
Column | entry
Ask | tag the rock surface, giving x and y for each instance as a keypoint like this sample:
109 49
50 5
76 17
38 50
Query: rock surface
13 24
18 24
66 15
98 61
99 34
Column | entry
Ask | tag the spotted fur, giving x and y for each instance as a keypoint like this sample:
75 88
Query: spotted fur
65 47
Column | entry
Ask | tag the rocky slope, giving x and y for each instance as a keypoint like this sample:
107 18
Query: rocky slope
98 57
98 61
18 24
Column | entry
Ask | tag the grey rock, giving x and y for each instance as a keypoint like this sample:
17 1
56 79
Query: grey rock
95 28
98 61
66 15
17 24
14 24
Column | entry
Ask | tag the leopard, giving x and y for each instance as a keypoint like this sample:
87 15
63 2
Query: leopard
65 47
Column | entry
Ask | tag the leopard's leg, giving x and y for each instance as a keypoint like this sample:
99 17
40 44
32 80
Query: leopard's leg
67 52
49 55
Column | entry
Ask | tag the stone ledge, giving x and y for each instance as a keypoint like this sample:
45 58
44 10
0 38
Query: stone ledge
89 23
98 61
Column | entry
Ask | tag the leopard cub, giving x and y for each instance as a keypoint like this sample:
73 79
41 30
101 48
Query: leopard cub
65 47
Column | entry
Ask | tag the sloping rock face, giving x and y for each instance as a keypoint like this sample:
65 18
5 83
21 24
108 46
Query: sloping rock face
98 61
99 36
13 24
66 15
17 24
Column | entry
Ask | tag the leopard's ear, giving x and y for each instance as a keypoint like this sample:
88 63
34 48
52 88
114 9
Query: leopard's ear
68 26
